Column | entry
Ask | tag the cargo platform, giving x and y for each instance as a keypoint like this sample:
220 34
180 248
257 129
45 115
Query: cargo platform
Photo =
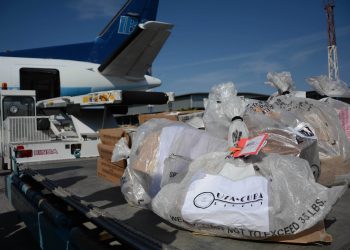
102 202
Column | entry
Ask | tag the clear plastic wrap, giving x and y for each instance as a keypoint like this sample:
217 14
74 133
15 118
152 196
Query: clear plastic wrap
333 144
121 150
223 114
324 86
155 143
285 134
343 111
185 176
323 119
259 117
271 196
282 81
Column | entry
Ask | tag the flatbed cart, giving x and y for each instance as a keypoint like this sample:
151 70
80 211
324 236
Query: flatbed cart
67 206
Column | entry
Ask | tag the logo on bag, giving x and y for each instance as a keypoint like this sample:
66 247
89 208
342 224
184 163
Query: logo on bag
206 199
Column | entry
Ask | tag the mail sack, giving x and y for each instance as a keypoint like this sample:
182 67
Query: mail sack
250 198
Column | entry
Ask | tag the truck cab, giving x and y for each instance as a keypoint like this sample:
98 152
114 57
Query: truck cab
14 104
27 137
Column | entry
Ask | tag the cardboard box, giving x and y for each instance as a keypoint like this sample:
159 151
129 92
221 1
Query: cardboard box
145 117
184 117
174 116
105 151
314 234
110 136
110 171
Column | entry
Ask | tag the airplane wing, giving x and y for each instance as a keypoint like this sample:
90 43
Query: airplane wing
133 60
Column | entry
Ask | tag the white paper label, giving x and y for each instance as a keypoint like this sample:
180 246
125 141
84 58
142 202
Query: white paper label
217 200
253 145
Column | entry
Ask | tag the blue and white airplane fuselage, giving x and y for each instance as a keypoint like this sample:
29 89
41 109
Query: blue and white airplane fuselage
76 78
120 58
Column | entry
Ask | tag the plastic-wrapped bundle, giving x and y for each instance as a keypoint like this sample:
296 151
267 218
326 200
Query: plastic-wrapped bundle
259 117
285 133
160 145
334 147
121 150
251 199
343 111
223 114
324 86
340 170
269 115
323 119
281 81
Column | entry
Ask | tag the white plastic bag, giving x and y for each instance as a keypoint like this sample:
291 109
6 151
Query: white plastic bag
223 116
277 196
324 120
121 150
324 86
155 143
343 111
282 81
333 144
287 135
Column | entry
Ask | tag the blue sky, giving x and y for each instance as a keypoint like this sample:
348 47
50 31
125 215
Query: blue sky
212 41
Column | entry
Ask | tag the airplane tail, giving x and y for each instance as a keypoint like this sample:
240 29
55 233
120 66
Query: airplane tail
122 27
118 30
125 48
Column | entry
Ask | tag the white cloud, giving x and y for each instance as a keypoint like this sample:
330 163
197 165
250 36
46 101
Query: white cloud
91 9
211 78
211 61
204 81
260 66
310 39
303 55
275 49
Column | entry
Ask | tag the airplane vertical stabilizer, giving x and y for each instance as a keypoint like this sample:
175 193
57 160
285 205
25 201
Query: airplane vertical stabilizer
119 30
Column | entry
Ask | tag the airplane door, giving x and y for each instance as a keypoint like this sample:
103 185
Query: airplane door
46 82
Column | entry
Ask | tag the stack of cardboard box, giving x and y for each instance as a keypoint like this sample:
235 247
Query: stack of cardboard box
111 171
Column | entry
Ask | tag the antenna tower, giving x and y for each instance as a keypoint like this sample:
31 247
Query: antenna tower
333 72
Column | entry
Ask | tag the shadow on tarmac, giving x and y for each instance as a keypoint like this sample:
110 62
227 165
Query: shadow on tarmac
13 233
